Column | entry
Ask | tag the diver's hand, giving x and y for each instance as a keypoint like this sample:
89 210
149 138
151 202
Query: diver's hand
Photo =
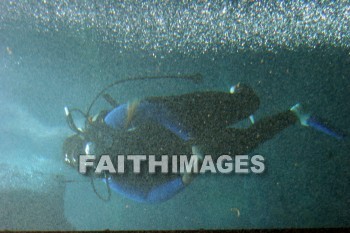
187 177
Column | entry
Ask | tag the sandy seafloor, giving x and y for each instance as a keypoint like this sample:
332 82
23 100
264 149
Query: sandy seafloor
61 53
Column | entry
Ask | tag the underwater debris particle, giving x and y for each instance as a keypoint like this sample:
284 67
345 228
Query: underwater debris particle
236 211
9 51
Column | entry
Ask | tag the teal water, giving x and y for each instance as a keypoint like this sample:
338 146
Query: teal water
62 53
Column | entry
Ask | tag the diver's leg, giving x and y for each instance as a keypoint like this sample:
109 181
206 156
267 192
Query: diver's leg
265 129
231 141
200 111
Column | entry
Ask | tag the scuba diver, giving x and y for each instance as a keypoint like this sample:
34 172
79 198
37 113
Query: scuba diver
197 123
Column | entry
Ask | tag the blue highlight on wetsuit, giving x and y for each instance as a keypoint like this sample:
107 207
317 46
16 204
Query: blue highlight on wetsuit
147 112
159 193
117 117
320 126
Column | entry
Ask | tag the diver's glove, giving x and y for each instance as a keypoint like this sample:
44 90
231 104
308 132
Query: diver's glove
302 116
188 177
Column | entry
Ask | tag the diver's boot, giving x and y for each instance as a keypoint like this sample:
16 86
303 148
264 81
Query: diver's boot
302 116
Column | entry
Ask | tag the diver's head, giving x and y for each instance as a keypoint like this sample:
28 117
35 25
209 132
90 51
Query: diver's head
72 147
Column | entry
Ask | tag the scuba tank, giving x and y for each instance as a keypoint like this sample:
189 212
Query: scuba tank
96 134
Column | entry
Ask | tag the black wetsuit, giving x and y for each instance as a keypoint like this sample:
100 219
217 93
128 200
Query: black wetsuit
170 125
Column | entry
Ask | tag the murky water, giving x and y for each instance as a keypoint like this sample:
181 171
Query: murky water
62 53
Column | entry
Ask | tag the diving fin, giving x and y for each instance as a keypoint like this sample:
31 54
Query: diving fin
322 126
316 123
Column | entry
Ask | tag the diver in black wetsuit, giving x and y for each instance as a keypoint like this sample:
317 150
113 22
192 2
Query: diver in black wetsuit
196 123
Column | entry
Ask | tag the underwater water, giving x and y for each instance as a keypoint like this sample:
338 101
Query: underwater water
62 53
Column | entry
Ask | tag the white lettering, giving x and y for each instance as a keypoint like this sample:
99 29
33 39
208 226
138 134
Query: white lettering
163 163
83 162
259 166
191 166
137 161
208 165
239 163
105 164
229 166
